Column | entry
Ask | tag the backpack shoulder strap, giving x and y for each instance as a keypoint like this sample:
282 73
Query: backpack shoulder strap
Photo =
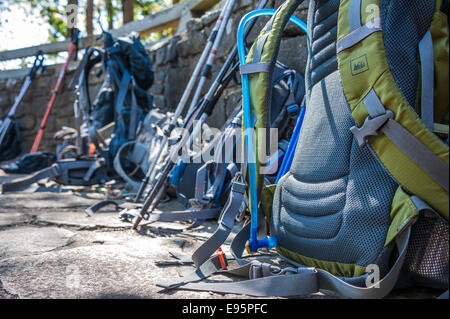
408 149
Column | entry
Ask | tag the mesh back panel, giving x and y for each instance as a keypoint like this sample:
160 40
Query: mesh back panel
335 202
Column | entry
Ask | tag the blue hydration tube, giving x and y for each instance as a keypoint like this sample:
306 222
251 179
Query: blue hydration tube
270 241
287 160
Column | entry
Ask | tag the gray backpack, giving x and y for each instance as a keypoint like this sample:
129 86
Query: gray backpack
363 208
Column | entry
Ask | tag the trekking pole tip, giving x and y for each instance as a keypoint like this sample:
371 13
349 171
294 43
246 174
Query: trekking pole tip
136 223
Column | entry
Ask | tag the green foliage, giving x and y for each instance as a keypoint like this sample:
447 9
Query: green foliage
53 13
57 21
145 7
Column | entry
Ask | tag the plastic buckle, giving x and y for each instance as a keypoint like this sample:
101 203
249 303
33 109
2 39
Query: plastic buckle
371 126
293 109
238 184
259 270
288 270
56 170
255 270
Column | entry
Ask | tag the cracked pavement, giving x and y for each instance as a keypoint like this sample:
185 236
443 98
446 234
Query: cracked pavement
49 248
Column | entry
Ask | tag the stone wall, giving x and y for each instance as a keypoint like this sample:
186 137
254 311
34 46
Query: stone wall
173 59
34 104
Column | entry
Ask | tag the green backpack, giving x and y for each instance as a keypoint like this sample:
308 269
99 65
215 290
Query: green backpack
364 206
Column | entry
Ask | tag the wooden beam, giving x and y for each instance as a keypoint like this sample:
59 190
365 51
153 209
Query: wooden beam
202 5
151 23
49 48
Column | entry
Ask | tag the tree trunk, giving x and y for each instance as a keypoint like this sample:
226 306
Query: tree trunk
109 10
89 17
128 10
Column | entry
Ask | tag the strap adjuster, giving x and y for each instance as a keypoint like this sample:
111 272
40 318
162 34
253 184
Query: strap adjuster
56 170
259 270
238 184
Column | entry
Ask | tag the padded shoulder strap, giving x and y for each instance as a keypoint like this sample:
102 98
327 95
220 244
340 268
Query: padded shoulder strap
372 93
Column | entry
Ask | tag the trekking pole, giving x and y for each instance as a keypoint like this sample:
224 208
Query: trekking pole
206 106
212 43
151 200
270 241
205 74
38 66
71 51
171 126
212 56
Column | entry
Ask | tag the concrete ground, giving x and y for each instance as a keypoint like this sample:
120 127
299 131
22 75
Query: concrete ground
49 248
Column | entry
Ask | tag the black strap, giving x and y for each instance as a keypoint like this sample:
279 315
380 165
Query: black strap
23 183
60 171
96 207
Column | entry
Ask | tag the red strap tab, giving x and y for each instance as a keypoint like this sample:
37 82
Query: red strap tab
221 258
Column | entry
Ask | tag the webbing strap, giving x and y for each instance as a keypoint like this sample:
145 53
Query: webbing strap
354 15
23 183
91 210
427 72
373 104
282 285
226 223
133 114
380 289
190 214
202 180
358 35
262 41
123 89
408 143
418 152
204 271
254 67
202 259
